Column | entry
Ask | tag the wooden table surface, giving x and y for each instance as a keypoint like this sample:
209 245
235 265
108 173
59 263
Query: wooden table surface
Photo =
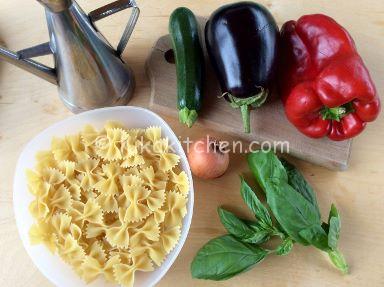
28 105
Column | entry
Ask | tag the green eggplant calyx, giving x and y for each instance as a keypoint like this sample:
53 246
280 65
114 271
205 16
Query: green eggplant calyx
187 116
245 105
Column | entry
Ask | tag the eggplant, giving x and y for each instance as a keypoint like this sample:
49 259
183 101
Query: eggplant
242 43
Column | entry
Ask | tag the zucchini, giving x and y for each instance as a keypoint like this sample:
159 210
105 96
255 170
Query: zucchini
189 58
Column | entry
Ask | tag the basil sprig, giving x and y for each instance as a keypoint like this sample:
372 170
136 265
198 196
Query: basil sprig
293 215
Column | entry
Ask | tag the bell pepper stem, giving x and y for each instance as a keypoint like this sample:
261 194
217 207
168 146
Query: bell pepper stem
245 114
336 113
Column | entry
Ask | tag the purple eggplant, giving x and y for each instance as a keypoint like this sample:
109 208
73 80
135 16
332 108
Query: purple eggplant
242 44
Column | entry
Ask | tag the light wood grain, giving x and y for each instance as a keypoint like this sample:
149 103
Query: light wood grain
269 125
28 105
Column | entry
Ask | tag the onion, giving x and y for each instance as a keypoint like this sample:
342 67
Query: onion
207 158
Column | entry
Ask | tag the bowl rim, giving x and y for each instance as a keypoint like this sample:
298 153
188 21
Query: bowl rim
190 204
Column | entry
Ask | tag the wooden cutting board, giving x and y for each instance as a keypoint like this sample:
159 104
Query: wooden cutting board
268 123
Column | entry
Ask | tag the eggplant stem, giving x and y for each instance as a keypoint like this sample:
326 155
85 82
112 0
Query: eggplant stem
245 114
254 101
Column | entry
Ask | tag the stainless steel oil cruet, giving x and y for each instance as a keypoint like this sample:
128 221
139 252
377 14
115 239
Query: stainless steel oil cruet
88 71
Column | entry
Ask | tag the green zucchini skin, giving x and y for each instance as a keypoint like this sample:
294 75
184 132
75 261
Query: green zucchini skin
189 58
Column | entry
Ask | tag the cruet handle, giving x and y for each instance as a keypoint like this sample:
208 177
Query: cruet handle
113 8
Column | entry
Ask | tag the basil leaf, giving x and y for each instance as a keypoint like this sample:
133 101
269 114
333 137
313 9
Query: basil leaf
334 228
254 203
241 230
334 233
252 224
285 247
264 166
333 212
258 237
298 182
316 236
224 257
291 209
338 260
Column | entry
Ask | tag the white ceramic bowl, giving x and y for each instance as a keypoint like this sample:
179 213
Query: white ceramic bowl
56 270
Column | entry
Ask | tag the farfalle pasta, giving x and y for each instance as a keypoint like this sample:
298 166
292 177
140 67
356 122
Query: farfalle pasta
109 202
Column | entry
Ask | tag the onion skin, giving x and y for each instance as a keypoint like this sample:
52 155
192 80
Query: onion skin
206 159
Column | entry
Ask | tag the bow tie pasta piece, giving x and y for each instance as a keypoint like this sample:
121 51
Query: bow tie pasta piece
87 194
159 215
155 251
131 145
132 161
42 233
75 191
154 180
45 159
130 180
88 169
125 273
70 148
94 230
156 199
168 161
169 236
61 149
108 187
60 198
109 202
108 147
52 176
90 212
111 171
149 231
39 209
34 180
137 208
180 182
94 263
175 204
153 150
152 134
88 135
161 146
61 224
68 169
71 251
118 235
132 171
90 269
97 251
77 147
108 268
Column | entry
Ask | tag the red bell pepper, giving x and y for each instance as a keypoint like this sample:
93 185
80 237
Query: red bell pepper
325 86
